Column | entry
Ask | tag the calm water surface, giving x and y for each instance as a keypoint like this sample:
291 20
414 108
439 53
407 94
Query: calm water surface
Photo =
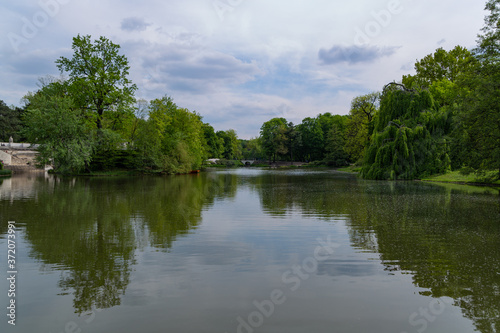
250 251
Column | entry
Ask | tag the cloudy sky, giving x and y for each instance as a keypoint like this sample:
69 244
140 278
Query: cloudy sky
239 62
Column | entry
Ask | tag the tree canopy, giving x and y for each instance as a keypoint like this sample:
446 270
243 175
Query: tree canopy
98 76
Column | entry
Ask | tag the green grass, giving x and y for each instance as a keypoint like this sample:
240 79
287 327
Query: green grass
490 178
468 188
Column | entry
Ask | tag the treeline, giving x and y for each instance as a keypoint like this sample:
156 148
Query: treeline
315 139
445 117
326 139
91 121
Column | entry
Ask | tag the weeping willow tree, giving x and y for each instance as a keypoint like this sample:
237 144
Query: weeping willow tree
410 137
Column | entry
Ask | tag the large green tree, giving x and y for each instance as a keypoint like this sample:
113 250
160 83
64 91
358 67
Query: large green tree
98 77
359 126
66 139
479 120
214 145
441 65
10 122
336 155
231 149
489 40
172 138
479 114
313 139
409 139
274 138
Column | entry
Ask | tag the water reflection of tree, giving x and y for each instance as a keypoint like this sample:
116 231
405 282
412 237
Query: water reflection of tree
173 206
447 239
90 228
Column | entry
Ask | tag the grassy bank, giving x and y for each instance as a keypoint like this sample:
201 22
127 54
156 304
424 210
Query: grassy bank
489 178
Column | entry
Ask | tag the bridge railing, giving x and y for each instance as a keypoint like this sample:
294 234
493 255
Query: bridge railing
15 145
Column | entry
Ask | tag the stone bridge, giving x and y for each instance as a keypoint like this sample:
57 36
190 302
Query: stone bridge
19 157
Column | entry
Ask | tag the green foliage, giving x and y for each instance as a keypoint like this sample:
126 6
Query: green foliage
336 155
308 141
214 145
66 139
409 140
98 77
274 138
359 125
231 148
172 138
229 163
252 149
313 139
489 48
116 159
478 120
442 65
10 122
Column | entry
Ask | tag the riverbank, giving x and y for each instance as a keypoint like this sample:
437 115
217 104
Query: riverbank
488 179
455 177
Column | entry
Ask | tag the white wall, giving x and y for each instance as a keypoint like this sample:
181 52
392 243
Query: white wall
6 158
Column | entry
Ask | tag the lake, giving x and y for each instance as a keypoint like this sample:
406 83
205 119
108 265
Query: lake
249 250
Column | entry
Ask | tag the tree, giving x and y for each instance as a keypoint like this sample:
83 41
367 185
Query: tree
98 77
409 139
479 121
10 122
479 116
66 139
294 140
141 112
336 155
172 138
312 148
441 65
214 145
489 46
359 126
252 149
231 144
274 138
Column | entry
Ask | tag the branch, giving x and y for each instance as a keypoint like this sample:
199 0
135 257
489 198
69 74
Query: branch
398 85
